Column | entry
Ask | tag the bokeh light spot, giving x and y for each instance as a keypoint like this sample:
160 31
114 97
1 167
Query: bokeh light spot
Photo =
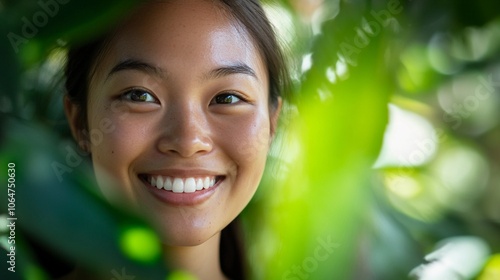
140 244
454 258
409 140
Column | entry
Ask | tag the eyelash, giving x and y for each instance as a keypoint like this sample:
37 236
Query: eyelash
127 96
226 94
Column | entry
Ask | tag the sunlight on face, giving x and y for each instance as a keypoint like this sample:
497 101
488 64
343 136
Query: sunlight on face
187 94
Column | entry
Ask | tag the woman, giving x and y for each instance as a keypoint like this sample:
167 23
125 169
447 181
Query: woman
187 96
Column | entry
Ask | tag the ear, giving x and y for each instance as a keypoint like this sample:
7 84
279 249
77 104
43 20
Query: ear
274 115
72 111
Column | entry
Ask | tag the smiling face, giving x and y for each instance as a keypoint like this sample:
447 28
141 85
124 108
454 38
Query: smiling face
181 100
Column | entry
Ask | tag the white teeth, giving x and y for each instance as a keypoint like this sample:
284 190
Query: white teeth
199 184
181 185
159 182
189 185
206 183
168 184
178 185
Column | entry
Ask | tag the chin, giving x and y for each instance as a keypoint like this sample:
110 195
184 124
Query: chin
183 230
185 237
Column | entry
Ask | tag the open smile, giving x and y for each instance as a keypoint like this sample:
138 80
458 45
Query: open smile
182 190
180 184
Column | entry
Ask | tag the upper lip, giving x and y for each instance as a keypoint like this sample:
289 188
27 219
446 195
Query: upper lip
183 173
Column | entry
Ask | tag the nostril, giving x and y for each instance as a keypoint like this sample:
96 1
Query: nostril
185 147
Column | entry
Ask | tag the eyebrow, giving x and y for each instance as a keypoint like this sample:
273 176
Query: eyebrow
134 64
237 68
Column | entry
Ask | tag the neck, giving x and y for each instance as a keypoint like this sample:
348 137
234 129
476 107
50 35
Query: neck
201 260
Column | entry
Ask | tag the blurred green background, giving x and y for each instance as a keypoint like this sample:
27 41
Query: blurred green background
385 167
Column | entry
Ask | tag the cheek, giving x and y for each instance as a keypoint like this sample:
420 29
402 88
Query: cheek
247 142
255 140
114 149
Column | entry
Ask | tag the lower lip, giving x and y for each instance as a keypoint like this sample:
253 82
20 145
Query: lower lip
193 198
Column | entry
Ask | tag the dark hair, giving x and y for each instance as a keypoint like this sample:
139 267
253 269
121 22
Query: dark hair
251 15
82 60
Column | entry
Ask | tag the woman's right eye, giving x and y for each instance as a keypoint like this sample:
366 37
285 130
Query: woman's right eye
139 95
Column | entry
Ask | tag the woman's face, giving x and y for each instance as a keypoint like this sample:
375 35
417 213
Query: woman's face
180 117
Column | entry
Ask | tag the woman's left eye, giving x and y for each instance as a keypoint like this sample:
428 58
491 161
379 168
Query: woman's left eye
138 95
226 98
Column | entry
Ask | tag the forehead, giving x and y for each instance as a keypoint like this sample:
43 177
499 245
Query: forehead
193 32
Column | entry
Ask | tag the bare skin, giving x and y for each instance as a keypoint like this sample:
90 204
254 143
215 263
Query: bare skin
184 93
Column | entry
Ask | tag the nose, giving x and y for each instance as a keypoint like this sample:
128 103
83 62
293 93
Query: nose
185 132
